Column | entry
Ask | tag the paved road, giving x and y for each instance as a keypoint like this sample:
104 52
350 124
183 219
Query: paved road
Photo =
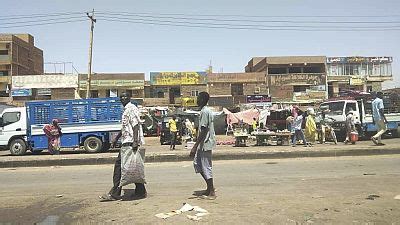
319 190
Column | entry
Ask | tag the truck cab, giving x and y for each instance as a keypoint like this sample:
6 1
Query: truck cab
13 129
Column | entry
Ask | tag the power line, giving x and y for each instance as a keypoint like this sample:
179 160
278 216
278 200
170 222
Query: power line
243 25
246 20
43 20
17 17
243 28
257 16
40 24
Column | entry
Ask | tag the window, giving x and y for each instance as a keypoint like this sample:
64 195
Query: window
277 71
335 108
94 94
10 117
237 89
350 106
195 93
3 52
313 69
294 69
301 88
3 73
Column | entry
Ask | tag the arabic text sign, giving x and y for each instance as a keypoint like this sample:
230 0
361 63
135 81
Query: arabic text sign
21 92
258 98
45 81
177 78
113 83
357 59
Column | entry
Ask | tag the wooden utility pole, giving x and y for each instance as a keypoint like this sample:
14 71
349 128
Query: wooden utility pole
92 21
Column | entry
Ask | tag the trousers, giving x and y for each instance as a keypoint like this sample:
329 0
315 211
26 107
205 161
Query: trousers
116 189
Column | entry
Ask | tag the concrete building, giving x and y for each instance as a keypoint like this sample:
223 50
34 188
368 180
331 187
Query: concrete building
174 88
357 73
292 78
113 84
18 56
228 89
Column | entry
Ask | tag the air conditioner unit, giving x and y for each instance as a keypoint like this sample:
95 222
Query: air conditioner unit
8 46
257 90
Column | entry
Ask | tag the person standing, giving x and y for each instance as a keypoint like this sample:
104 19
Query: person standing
205 144
173 131
350 126
254 125
378 117
131 135
298 132
53 134
311 127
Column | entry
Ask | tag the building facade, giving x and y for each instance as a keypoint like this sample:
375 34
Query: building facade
357 73
112 85
227 89
18 56
292 78
174 88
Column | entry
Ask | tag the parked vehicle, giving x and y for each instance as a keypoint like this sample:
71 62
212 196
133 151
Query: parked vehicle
362 111
165 134
330 134
87 123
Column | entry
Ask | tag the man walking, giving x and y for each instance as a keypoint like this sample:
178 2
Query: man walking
173 131
378 118
205 143
131 138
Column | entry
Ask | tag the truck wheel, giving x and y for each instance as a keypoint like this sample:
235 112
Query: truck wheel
93 145
18 147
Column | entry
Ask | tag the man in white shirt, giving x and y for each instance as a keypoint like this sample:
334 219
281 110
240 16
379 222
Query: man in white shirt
205 143
378 118
131 135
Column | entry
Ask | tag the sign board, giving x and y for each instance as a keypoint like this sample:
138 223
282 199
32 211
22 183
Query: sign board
177 78
297 79
258 98
45 81
355 80
358 59
134 84
21 92
43 91
189 101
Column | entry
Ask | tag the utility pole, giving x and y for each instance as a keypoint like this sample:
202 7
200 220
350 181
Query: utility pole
92 21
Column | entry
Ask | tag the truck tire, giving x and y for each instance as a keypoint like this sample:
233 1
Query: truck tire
18 147
93 145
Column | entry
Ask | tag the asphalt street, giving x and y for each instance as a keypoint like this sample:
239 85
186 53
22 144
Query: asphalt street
308 190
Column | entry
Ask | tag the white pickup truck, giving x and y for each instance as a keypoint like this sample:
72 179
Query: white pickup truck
362 111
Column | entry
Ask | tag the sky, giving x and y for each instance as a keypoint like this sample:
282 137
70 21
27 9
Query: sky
133 47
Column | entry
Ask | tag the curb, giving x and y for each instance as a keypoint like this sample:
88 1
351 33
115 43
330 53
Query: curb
155 158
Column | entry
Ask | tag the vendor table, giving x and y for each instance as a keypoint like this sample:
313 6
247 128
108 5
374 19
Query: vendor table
281 138
240 140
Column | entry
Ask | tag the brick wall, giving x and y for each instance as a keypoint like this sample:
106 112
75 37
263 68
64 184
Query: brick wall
62 93
186 90
219 89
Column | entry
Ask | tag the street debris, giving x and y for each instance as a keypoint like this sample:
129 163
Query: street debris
185 208
317 196
369 174
397 197
59 196
372 197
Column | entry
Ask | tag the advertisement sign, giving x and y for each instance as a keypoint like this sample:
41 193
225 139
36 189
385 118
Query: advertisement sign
354 80
45 81
358 59
177 78
258 98
139 84
189 101
21 92
44 91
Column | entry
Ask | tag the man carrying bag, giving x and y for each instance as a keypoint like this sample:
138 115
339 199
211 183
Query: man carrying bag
129 167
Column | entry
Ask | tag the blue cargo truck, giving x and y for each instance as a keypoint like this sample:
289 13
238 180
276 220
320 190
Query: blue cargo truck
85 123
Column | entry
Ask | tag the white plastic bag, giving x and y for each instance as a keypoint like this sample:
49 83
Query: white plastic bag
132 166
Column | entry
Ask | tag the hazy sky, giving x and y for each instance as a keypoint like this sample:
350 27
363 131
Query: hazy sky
133 47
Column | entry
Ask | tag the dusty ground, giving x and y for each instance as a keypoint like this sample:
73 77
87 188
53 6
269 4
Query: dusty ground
318 190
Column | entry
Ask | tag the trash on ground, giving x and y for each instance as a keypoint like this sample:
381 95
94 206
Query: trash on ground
185 208
317 196
194 218
59 196
369 174
397 197
372 197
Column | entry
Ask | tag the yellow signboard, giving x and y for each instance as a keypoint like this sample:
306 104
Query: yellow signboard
354 80
189 101
177 78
